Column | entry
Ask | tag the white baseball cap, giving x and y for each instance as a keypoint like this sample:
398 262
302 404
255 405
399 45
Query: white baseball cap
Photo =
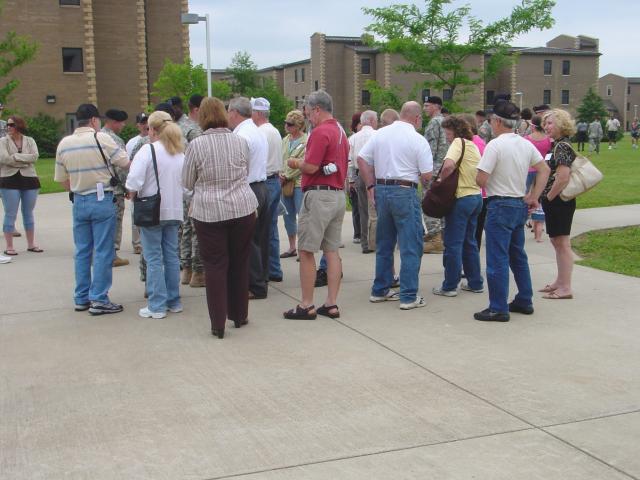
260 104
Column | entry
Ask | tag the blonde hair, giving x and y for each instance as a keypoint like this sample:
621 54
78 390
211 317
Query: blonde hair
296 117
168 132
564 123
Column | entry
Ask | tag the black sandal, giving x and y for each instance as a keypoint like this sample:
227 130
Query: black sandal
300 313
325 311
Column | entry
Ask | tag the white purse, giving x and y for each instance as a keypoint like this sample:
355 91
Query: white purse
584 176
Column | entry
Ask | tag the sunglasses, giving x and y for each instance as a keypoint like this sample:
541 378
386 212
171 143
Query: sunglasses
11 124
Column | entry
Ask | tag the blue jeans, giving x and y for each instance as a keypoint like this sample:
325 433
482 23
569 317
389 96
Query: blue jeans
274 190
292 204
11 199
94 224
399 220
504 230
160 246
460 246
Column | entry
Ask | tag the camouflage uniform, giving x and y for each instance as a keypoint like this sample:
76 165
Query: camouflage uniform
3 128
119 189
434 133
189 248
484 131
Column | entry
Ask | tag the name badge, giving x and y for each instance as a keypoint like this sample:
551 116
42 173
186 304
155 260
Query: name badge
547 157
100 191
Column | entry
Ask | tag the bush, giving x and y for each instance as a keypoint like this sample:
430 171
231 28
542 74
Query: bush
46 131
128 132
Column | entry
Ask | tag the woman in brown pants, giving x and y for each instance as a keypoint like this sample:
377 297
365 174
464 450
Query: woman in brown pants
223 209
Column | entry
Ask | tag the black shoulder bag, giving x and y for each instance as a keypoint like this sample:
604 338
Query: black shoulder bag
440 198
146 210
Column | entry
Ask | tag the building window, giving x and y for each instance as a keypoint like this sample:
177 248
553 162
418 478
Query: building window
72 60
366 97
565 97
295 75
447 94
297 101
70 122
70 2
302 75
315 85
426 92
546 97
547 67
566 67
490 95
628 106
365 66
609 90
628 89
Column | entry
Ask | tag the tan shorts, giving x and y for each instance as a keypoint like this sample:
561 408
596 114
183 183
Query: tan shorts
320 220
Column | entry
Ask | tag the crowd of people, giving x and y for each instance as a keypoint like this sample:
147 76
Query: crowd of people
224 176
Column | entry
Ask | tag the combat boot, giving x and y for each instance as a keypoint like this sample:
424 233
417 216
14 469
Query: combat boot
185 278
197 280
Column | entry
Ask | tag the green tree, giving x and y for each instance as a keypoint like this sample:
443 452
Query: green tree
430 39
46 131
15 50
383 98
244 73
591 106
280 105
221 89
180 79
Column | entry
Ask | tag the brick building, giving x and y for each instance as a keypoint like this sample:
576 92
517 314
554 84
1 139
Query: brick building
621 97
103 52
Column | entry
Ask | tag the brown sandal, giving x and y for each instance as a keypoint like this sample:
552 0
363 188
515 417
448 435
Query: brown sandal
547 289
325 311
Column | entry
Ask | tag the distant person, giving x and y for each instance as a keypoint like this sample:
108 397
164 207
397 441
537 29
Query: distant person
542 142
160 242
133 146
635 133
503 172
19 183
114 122
188 127
80 169
613 125
582 134
484 128
595 135
393 163
353 193
524 125
261 109
479 142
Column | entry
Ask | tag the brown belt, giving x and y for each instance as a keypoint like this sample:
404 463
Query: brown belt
402 183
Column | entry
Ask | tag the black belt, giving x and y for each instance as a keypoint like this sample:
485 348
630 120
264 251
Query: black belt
275 175
255 183
320 187
498 197
402 183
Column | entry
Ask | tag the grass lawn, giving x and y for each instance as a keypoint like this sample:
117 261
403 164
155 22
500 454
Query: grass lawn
45 167
613 250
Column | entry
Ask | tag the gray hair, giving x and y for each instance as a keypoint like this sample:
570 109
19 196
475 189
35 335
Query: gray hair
262 113
389 116
369 117
321 99
242 105
508 123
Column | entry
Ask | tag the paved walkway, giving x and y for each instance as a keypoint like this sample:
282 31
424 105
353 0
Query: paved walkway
379 393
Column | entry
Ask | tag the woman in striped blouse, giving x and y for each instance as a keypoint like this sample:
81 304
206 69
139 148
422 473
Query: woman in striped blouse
223 210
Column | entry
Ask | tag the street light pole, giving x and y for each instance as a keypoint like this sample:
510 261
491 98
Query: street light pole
635 111
520 94
192 19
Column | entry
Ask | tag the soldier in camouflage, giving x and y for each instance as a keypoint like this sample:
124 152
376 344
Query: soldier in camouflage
190 261
435 135
484 128
114 122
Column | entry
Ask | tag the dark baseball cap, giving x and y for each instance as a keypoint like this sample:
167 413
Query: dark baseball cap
142 118
116 115
433 99
541 108
506 110
87 111
175 101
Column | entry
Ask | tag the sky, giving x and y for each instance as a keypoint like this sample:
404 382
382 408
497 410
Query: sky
279 31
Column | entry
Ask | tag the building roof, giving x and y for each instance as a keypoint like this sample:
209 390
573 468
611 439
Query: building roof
343 39
363 49
552 51
633 80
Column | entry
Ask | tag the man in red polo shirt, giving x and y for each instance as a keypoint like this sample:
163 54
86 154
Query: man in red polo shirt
320 219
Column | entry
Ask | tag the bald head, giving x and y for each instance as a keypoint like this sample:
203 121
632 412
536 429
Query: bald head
389 116
410 110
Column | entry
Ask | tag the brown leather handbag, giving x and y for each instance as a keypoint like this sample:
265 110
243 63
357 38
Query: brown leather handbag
440 198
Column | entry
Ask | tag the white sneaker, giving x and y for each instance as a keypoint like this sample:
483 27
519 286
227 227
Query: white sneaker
176 309
390 296
419 302
146 313
444 293
5 259
467 288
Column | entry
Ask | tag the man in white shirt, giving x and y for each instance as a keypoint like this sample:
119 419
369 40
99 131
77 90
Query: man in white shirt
240 120
502 172
369 121
260 116
613 124
392 163
143 129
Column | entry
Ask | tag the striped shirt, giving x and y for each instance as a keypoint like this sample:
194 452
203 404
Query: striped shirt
216 169
78 160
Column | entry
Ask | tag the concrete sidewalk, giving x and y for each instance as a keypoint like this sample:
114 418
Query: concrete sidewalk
377 394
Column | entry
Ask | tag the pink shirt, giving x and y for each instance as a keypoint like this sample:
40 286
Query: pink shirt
479 143
543 146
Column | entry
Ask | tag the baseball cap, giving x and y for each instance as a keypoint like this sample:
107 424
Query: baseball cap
433 99
142 118
87 111
260 104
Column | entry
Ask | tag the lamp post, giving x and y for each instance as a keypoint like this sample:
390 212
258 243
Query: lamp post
635 112
192 19
520 94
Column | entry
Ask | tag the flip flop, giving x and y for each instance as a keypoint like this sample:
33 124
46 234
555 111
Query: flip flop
35 250
325 311
300 313
11 252
554 296
547 289
289 254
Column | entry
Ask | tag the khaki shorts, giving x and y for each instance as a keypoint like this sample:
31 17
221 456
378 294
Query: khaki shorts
320 220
